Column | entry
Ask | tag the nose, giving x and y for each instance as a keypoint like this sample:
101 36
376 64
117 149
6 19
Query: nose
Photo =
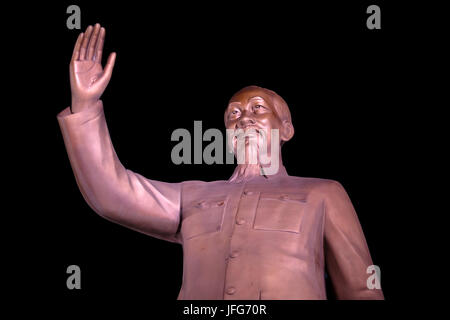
246 120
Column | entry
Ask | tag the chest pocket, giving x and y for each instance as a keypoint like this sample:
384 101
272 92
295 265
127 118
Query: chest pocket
280 212
203 217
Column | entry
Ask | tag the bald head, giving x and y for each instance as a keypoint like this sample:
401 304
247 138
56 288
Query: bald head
280 106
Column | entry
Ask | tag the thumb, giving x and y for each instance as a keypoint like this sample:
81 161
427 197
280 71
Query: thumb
107 72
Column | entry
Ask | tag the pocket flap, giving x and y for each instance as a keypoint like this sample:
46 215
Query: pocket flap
204 216
301 197
278 211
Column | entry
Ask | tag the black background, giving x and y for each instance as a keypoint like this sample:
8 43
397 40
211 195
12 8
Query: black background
346 87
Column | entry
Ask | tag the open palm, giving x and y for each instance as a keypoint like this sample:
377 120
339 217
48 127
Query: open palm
88 80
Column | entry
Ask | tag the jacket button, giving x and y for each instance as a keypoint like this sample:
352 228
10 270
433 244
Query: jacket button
234 254
240 221
231 290
201 204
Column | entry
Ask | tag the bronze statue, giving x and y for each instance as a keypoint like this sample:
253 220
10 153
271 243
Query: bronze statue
255 236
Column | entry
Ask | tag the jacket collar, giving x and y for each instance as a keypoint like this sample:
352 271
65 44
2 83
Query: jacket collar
237 177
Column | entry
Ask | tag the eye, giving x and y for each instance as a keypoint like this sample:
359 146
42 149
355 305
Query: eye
259 106
235 112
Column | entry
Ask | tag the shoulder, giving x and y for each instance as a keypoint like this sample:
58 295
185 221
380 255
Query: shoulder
315 183
202 183
198 184
319 186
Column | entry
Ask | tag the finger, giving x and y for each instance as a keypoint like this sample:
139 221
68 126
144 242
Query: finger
92 42
85 43
99 46
109 68
76 49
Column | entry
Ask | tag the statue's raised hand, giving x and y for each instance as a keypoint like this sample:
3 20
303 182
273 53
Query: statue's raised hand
88 79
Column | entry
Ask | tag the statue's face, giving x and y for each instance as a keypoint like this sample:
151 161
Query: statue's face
252 109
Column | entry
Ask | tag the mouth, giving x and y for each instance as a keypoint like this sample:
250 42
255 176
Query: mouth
245 130
251 134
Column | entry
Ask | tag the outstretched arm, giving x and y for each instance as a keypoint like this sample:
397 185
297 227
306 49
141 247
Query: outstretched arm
115 193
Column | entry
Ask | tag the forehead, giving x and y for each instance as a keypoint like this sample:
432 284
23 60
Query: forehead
244 96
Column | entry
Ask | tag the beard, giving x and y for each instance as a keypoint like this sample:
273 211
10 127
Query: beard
249 146
253 149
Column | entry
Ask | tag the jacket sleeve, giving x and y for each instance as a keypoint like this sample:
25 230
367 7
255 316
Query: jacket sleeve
346 252
115 193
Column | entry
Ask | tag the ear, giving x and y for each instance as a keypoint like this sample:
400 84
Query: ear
287 131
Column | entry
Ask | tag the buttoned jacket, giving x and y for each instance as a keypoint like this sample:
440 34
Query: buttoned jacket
269 237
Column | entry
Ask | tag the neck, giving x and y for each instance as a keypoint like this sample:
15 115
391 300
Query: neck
247 171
